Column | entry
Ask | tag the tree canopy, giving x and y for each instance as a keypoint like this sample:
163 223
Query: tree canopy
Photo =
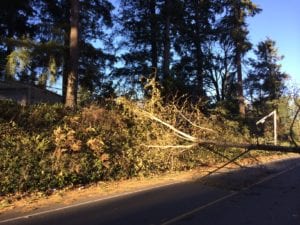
194 48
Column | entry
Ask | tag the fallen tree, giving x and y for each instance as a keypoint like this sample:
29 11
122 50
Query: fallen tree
194 141
249 146
180 127
199 142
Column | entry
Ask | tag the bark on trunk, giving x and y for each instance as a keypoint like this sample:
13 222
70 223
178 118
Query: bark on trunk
199 53
240 93
66 53
251 146
238 63
71 93
154 30
66 50
166 49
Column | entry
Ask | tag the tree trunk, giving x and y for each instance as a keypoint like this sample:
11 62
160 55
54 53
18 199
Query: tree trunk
224 79
272 148
166 48
65 74
199 62
238 62
66 50
196 141
154 31
199 53
72 84
240 93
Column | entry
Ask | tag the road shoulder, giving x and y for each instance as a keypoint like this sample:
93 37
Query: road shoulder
262 165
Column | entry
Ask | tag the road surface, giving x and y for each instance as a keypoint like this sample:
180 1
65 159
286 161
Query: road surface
252 196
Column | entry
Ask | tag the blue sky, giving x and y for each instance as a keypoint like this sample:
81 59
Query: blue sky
280 21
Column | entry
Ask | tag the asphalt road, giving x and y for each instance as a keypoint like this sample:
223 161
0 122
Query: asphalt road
266 195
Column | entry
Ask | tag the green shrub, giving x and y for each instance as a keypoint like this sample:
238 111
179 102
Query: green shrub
46 146
41 117
23 160
9 110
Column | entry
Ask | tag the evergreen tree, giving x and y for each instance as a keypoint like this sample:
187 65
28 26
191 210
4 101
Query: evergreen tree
265 80
94 18
36 38
196 31
140 42
15 23
220 73
148 30
234 31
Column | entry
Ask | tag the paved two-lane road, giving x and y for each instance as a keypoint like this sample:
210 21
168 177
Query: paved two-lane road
254 196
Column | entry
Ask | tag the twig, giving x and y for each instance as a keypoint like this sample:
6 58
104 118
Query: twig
180 136
189 137
170 146
193 124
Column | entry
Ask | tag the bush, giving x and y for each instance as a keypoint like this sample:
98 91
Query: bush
9 110
46 146
23 160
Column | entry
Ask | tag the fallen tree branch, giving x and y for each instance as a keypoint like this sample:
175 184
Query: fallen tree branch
170 146
193 124
181 137
251 146
225 144
196 141
185 135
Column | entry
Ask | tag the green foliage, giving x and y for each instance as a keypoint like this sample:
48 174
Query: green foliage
17 61
33 118
45 146
42 116
23 161
9 110
265 81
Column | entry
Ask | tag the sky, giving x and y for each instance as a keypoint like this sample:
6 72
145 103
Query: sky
280 21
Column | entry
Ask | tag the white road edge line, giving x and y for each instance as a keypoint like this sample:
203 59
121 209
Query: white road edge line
90 202
198 209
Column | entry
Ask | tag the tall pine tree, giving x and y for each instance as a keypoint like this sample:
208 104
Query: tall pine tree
234 31
265 81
